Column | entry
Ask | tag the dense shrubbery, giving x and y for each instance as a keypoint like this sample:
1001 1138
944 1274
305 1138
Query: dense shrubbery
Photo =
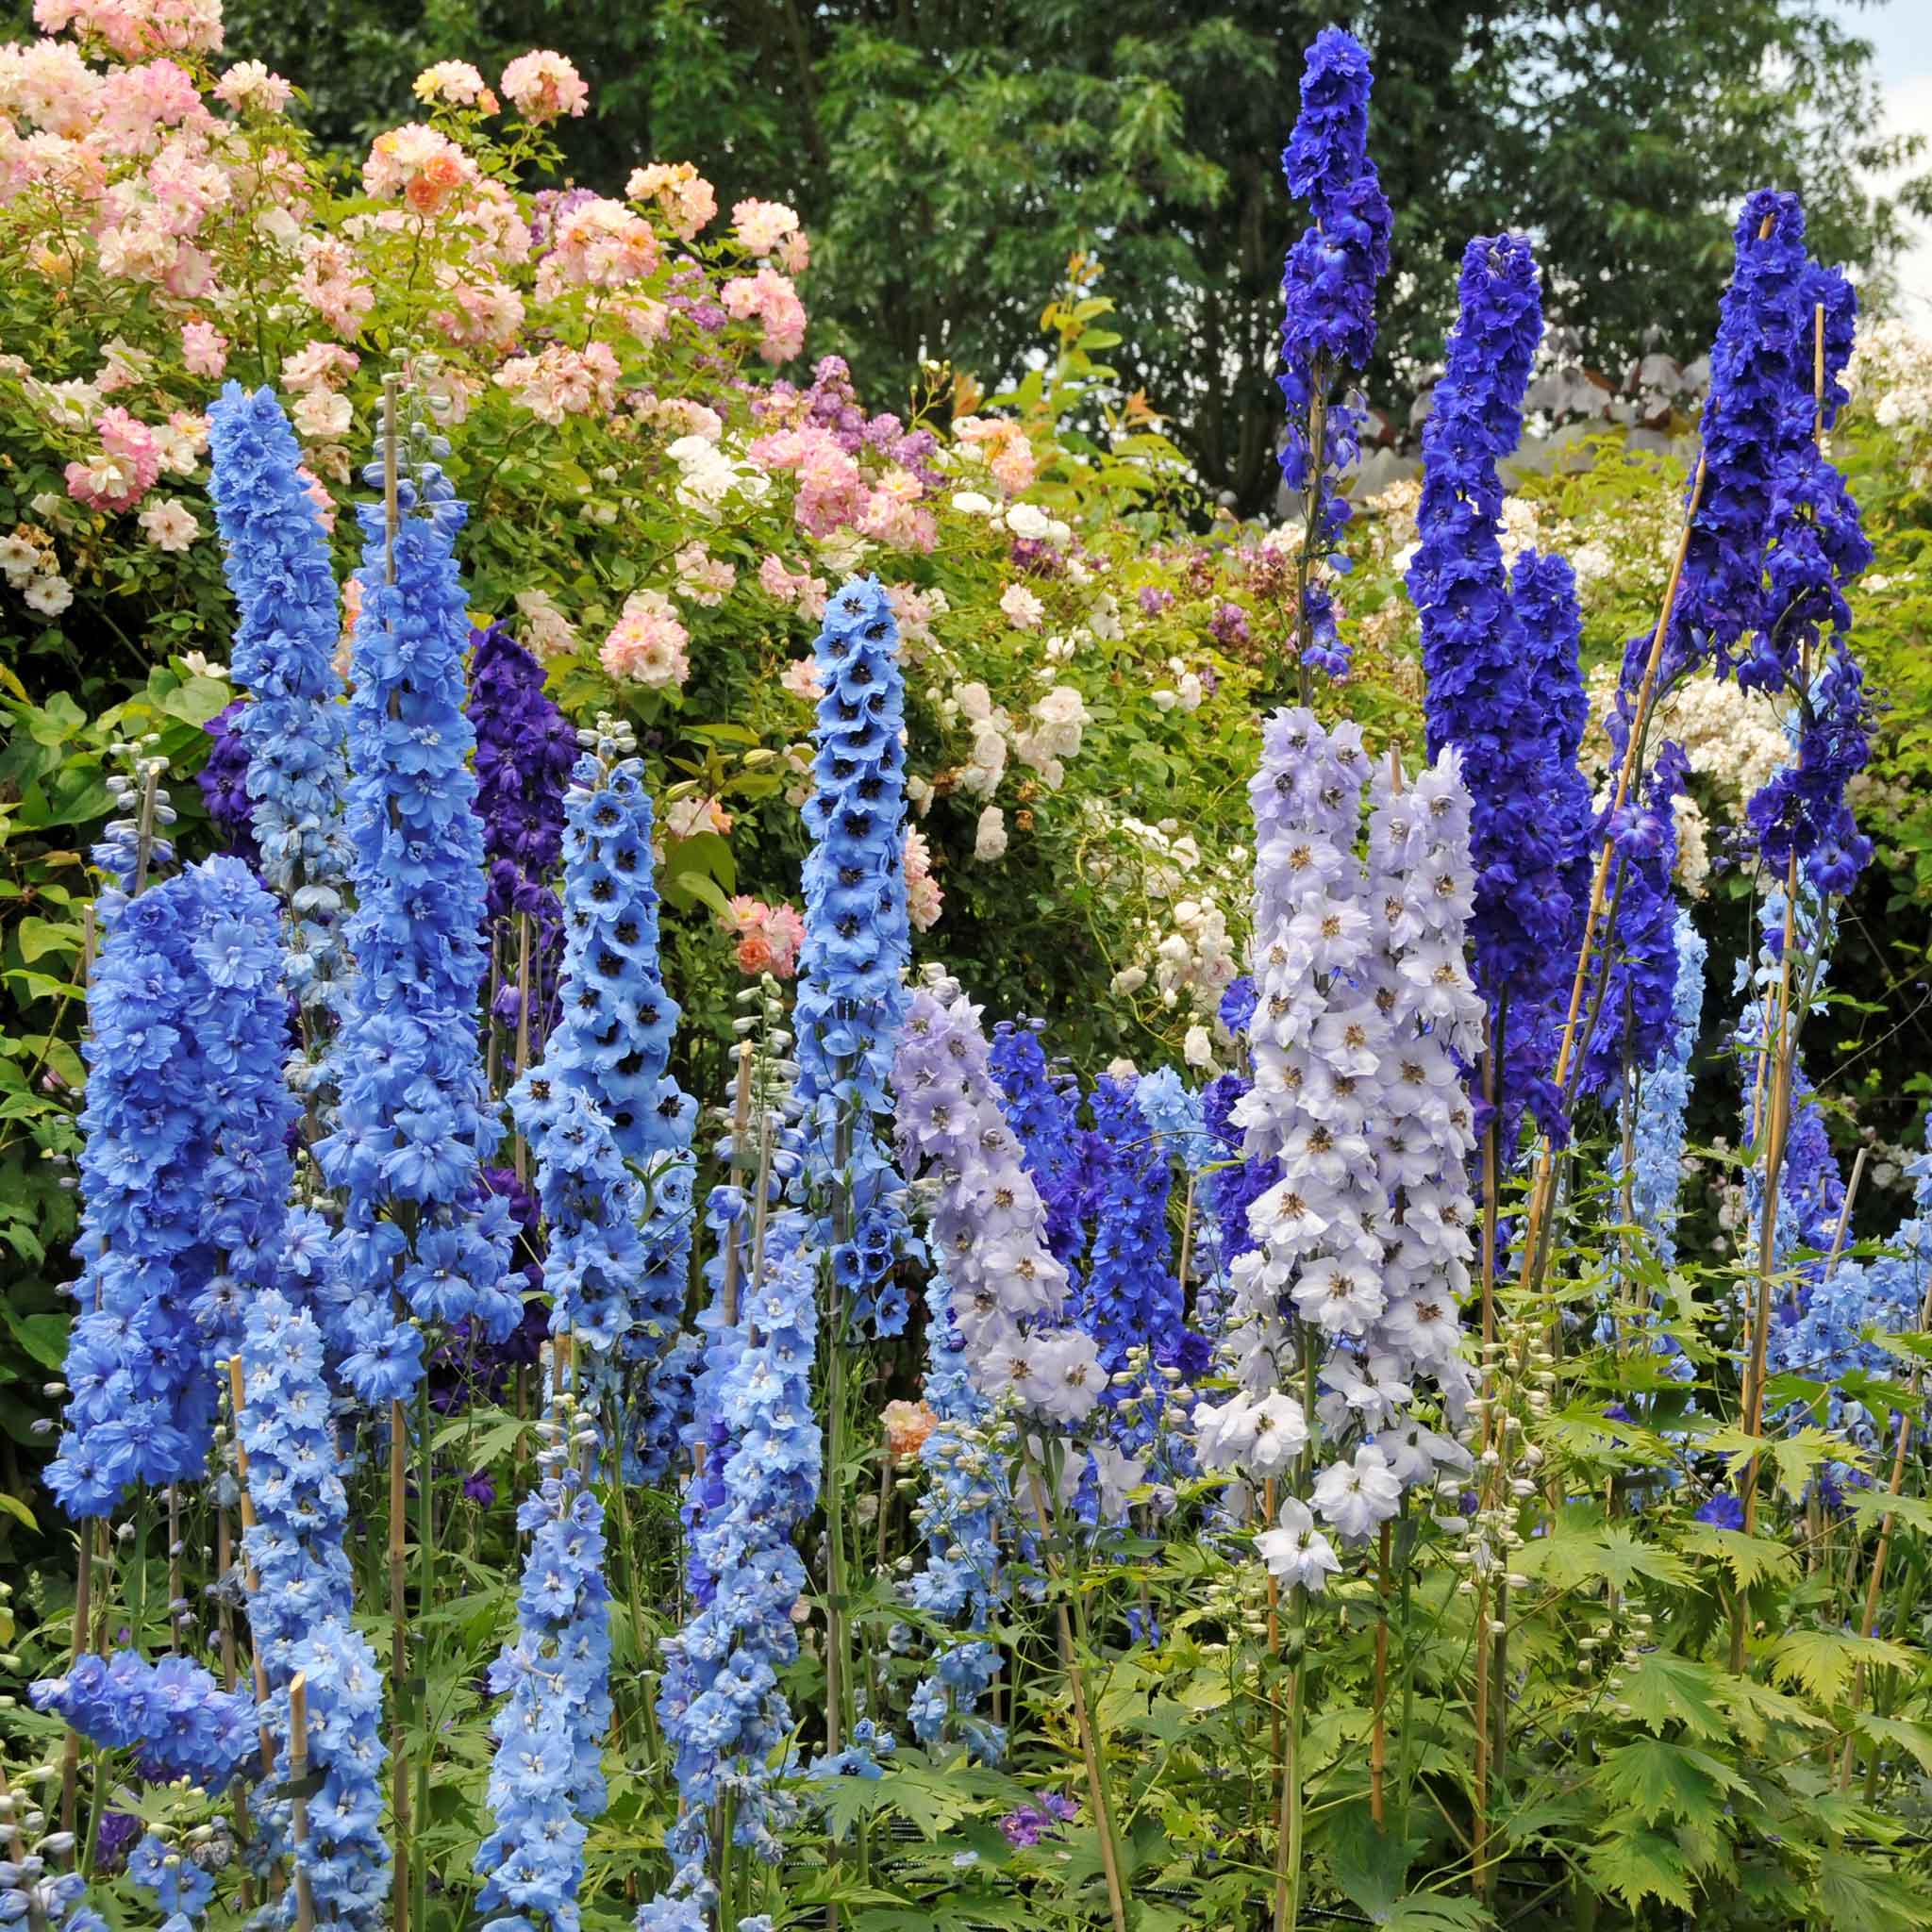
1341 1422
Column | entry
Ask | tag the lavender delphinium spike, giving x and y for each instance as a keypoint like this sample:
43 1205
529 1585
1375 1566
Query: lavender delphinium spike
1328 288
184 1176
294 726
424 1241
988 1228
858 942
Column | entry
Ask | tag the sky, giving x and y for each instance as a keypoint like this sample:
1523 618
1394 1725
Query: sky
1901 31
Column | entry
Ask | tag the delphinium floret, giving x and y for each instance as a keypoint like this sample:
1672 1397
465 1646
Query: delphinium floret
222 781
858 944
184 1176
1042 1108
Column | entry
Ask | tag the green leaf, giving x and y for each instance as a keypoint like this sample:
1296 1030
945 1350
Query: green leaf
1579 1551
196 701
1665 1689
13 1507
1637 1865
1856 1896
39 937
1914 1740
1656 1779
1749 1558
1822 1661
44 1337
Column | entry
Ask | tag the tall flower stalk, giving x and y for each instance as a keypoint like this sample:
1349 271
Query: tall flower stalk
294 729
1328 289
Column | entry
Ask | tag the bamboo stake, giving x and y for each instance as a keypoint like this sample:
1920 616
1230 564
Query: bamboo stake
298 1774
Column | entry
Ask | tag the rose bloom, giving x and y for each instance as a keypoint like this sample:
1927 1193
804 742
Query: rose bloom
427 169
169 525
321 415
204 349
599 244
760 225
542 86
907 1425
689 200
647 643
687 817
250 85
1022 609
457 82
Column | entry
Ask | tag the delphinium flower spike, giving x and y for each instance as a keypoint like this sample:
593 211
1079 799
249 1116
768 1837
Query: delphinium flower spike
222 781
858 942
1481 695
601 1102
294 726
721 1703
1663 1098
525 752
1328 288
962 1514
299 1612
175 1718
184 1176
1042 1108
547 1777
424 1241
988 1228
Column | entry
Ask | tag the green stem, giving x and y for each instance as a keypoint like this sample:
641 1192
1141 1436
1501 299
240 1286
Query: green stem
425 1591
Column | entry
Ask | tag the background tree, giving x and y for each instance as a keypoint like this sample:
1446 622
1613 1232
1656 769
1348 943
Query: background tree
949 154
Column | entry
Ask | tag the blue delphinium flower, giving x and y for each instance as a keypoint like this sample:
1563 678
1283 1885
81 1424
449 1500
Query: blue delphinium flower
1328 289
223 783
1234 1182
1639 980
300 1613
286 632
184 1176
858 942
1042 1108
722 1706
1761 356
414 1124
960 1513
525 752
1508 726
1133 1301
1817 546
1663 1099
171 1714
178 1884
604 1080
547 1775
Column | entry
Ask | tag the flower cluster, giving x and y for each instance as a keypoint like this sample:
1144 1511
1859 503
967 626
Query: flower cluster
415 1125
175 1719
768 937
1328 286
851 993
1488 653
1008 1294
299 1610
294 726
547 1775
184 1176
525 751
1364 1015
